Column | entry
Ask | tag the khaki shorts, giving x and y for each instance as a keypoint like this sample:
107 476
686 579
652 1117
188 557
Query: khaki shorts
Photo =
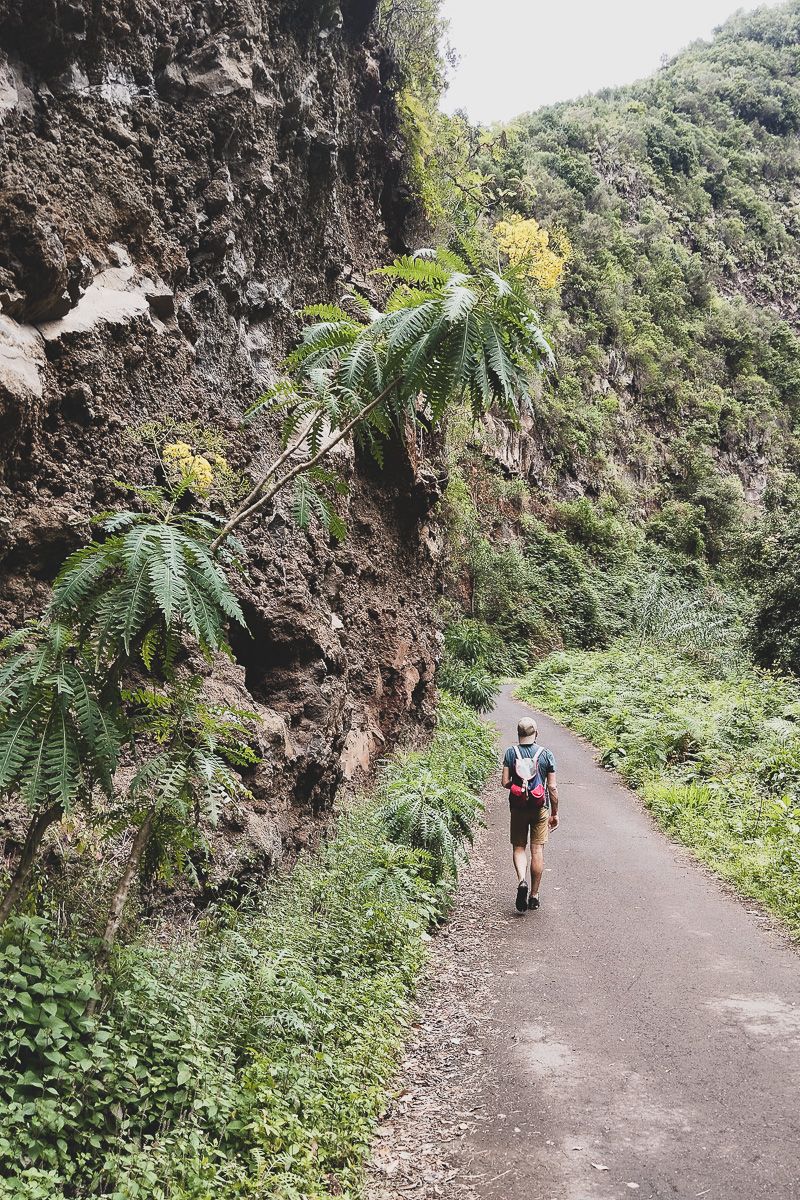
533 821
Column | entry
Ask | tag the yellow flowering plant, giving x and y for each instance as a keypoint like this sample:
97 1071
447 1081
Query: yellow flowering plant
540 253
191 470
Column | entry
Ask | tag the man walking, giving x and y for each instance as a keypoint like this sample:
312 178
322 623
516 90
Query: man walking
529 776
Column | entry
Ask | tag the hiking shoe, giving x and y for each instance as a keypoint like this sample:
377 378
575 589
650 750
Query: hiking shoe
533 902
522 897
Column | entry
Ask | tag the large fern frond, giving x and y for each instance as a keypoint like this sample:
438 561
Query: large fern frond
78 578
413 271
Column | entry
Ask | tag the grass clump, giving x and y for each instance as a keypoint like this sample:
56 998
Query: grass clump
253 1057
715 756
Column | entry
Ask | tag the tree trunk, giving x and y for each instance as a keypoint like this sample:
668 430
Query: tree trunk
258 499
120 897
33 840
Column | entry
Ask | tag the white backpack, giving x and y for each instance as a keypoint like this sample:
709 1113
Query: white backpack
527 769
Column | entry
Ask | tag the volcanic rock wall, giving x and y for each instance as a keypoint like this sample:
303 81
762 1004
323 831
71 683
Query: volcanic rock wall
178 177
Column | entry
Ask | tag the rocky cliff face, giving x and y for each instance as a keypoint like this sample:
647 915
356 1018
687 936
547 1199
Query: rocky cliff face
178 177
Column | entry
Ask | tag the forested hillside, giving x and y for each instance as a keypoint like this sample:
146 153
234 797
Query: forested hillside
667 433
646 516
677 324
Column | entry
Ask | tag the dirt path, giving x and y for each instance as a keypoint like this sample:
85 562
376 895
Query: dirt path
638 1036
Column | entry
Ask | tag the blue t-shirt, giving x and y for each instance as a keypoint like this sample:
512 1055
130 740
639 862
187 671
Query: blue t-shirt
545 765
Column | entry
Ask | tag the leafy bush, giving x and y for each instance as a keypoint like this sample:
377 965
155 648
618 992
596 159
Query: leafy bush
678 525
595 528
476 658
252 1057
717 757
472 683
774 563
471 642
674 614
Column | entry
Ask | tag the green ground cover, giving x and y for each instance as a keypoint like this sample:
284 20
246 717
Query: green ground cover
252 1057
716 756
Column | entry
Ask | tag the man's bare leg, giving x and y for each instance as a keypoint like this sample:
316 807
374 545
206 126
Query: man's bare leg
521 867
537 867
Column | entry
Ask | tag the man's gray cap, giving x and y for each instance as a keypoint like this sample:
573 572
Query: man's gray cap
527 731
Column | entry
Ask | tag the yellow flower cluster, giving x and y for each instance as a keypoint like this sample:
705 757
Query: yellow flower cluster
540 254
193 470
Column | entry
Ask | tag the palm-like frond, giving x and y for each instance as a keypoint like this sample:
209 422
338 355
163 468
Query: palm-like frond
452 329
426 272
412 819
308 502
59 735
431 815
397 873
154 574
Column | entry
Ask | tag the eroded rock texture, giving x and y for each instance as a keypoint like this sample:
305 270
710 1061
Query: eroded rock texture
179 177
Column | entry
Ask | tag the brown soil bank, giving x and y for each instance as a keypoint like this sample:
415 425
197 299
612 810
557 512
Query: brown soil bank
177 178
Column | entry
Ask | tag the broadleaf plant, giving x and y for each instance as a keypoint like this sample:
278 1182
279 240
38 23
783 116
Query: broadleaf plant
452 330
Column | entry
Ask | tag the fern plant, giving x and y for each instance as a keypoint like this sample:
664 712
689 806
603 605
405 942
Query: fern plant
452 330
60 733
471 682
181 782
430 815
687 621
125 604
397 873
469 641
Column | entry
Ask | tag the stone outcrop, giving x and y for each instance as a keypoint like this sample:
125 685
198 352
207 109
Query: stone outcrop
178 178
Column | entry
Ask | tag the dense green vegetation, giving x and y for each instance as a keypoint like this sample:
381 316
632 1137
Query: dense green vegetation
666 437
154 586
678 359
715 755
250 1057
655 229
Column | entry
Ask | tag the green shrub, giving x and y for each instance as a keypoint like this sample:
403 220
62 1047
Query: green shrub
251 1057
595 528
475 659
775 626
678 526
472 683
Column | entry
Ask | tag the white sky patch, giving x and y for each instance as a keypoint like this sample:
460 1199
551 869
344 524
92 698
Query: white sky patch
517 55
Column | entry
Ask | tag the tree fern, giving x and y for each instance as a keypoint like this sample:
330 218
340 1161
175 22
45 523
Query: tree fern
78 579
17 741
155 573
452 329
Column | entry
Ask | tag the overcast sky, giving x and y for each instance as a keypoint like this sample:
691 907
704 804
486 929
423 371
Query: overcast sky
519 54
